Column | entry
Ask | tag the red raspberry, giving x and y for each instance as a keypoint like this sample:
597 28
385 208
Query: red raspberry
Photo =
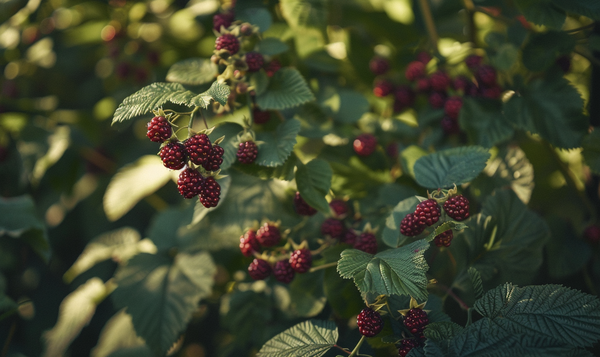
189 183
261 117
440 81
349 237
369 322
332 227
159 129
457 207
410 226
461 84
437 99
224 19
173 155
379 65
423 57
406 345
382 88
339 207
452 106
444 239
367 243
414 71
392 150
228 42
564 63
592 234
268 235
198 148
416 320
472 90
259 269
450 126
427 212
247 152
272 67
486 75
301 260
301 207
423 85
493 92
255 61
404 98
215 159
473 61
283 272
210 192
365 144
249 243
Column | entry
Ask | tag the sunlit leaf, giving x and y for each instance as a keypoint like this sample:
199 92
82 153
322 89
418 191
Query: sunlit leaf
311 338
287 88
218 92
278 146
117 333
313 181
193 71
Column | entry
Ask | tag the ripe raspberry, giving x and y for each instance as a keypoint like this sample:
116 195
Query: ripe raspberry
268 235
406 345
457 207
369 322
452 106
423 57
404 98
382 88
423 85
349 237
444 239
255 61
210 192
450 126
198 148
564 63
259 269
414 71
332 227
339 207
173 155
227 42
416 320
283 271
301 207
410 226
440 81
365 144
272 67
592 234
473 61
493 92
261 117
461 83
249 243
159 129
427 212
437 99
301 260
189 183
486 75
379 65
247 152
367 243
215 159
392 150
224 19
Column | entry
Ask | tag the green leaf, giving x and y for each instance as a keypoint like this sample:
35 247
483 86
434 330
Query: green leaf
505 57
313 181
443 330
218 92
399 271
541 51
271 46
551 107
287 88
311 338
589 8
161 294
591 150
542 12
278 146
475 278
18 219
306 293
151 97
305 13
553 311
118 333
391 231
565 255
484 122
257 16
345 106
450 167
281 172
229 131
193 71
260 81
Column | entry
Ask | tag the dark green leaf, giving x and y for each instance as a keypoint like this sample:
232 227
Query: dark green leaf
565 255
391 232
281 172
219 92
287 88
345 106
541 51
271 46
278 146
306 293
475 278
193 71
313 181
311 338
589 8
591 150
444 330
505 57
18 219
483 121
542 12
257 16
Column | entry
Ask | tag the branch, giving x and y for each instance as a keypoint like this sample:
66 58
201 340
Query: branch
429 23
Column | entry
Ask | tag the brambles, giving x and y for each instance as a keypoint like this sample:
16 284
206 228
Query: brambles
260 116
198 148
223 20
379 65
406 345
332 227
190 183
369 322
255 61
427 213
283 271
215 159
415 70
411 226
382 88
367 242
339 207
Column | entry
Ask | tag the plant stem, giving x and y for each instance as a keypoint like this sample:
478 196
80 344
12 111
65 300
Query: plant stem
191 123
204 118
342 348
582 28
449 291
11 333
587 56
324 266
430 24
355 350
470 9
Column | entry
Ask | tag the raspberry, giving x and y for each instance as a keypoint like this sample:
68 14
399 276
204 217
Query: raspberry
461 83
493 92
189 183
416 320
255 61
260 117
452 106
592 234
364 144
367 243
210 192
406 345
332 227
339 207
414 71
423 85
369 322
247 152
301 260
457 207
473 61
404 98
224 19
215 159
272 67
349 237
268 235
450 126
283 271
382 88
379 65
444 239
301 207
564 63
423 57
259 269
159 129
410 226
249 243
440 81
173 155
227 42
392 150
198 148
486 75
427 212
437 99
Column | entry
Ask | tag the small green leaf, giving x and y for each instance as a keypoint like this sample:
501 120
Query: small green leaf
17 216
591 150
284 171
541 51
257 16
542 12
118 334
271 46
287 88
311 338
217 91
505 57
391 232
589 8
278 146
306 293
484 122
314 181
444 330
260 82
193 71
305 13
475 278
345 106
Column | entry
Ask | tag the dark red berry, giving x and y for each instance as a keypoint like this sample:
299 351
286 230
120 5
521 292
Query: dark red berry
339 207
423 57
416 320
473 61
486 75
411 226
452 106
224 19
301 207
272 67
427 212
423 85
259 269
369 322
437 99
123 70
198 148
457 207
332 227
439 81
365 144
159 129
379 65
414 71
255 61
493 92
249 243
189 183
564 63
382 88
461 84
366 242
215 159
173 155
261 117
268 235
349 237
283 272
301 260
228 42
392 150
406 345
450 126
247 152
592 234
404 97
444 239
210 192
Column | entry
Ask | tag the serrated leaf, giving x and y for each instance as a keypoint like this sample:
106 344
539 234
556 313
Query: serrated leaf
161 294
18 219
552 311
218 92
541 51
399 271
305 13
444 330
230 132
260 81
344 105
542 12
391 231
278 146
193 71
311 338
511 168
475 278
314 181
117 333
591 150
589 8
271 46
450 167
282 172
287 88
484 122
151 97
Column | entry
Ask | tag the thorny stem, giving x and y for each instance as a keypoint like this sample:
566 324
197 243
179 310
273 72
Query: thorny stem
342 348
324 266
449 291
428 18
357 348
